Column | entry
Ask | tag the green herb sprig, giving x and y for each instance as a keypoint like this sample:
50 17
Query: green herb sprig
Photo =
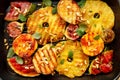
19 60
81 3
36 35
54 10
22 18
97 37
81 30
46 3
10 53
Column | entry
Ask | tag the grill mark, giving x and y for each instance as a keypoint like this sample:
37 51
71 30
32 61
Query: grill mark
54 51
43 64
46 65
50 22
36 63
51 65
44 39
55 28
48 17
39 61
33 24
53 57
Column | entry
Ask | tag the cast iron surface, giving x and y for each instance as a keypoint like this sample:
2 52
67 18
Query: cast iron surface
7 74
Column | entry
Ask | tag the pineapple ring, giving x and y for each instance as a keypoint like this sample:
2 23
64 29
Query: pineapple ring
50 26
24 45
92 44
98 14
69 11
79 63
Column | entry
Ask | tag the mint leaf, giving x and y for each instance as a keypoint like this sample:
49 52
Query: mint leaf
70 54
10 53
97 37
46 2
62 61
19 60
106 49
81 30
54 10
81 3
36 35
22 18
32 8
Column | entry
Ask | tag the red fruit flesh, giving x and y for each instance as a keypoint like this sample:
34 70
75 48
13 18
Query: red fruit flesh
106 68
71 32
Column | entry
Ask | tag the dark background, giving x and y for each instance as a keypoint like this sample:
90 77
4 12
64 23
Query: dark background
7 74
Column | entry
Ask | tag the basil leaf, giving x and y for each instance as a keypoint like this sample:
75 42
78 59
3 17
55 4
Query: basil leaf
97 37
36 35
46 2
81 30
22 18
54 10
70 54
19 60
62 61
10 53
81 3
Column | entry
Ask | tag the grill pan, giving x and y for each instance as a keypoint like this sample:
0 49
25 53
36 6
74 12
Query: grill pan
7 74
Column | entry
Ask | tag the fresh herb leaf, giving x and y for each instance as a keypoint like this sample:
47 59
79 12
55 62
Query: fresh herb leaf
81 30
70 54
46 2
19 60
97 37
106 49
81 3
62 61
10 53
54 10
36 35
32 8
22 18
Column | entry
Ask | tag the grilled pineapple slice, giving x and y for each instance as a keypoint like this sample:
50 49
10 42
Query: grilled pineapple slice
72 61
45 59
24 45
98 15
92 44
69 11
49 26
